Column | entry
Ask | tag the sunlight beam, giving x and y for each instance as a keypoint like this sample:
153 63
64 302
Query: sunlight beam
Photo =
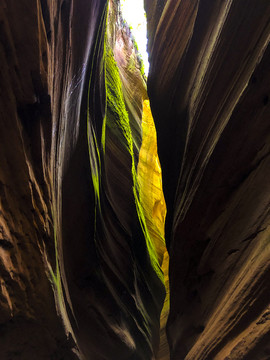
134 14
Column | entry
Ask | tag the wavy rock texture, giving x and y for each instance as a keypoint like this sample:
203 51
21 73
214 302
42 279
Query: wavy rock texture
29 325
209 92
80 275
154 207
81 234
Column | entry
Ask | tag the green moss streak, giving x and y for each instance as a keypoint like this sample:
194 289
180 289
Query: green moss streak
94 154
117 109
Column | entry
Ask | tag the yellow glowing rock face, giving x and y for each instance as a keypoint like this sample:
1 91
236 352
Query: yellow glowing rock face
150 181
152 199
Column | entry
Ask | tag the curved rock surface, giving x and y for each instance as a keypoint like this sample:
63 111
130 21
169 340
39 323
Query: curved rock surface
209 92
82 251
80 276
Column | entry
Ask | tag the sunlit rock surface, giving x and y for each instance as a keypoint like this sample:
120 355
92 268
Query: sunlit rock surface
80 274
153 202
209 92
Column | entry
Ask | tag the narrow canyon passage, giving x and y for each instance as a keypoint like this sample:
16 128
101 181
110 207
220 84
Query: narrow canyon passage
84 250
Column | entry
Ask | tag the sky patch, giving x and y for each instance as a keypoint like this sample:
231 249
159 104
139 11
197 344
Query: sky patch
134 14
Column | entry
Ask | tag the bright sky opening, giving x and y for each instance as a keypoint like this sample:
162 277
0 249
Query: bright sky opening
134 14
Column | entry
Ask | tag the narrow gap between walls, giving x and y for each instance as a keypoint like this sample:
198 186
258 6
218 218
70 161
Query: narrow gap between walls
151 193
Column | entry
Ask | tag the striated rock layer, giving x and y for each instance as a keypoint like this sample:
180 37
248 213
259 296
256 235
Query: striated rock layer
81 205
209 92
80 272
154 207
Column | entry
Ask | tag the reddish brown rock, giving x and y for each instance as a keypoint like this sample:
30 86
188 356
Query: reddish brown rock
209 92
78 279
29 324
79 270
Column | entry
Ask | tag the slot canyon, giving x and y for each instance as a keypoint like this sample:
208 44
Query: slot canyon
134 211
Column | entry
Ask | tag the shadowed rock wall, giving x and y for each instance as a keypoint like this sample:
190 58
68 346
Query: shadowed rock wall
29 324
80 272
80 276
209 92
